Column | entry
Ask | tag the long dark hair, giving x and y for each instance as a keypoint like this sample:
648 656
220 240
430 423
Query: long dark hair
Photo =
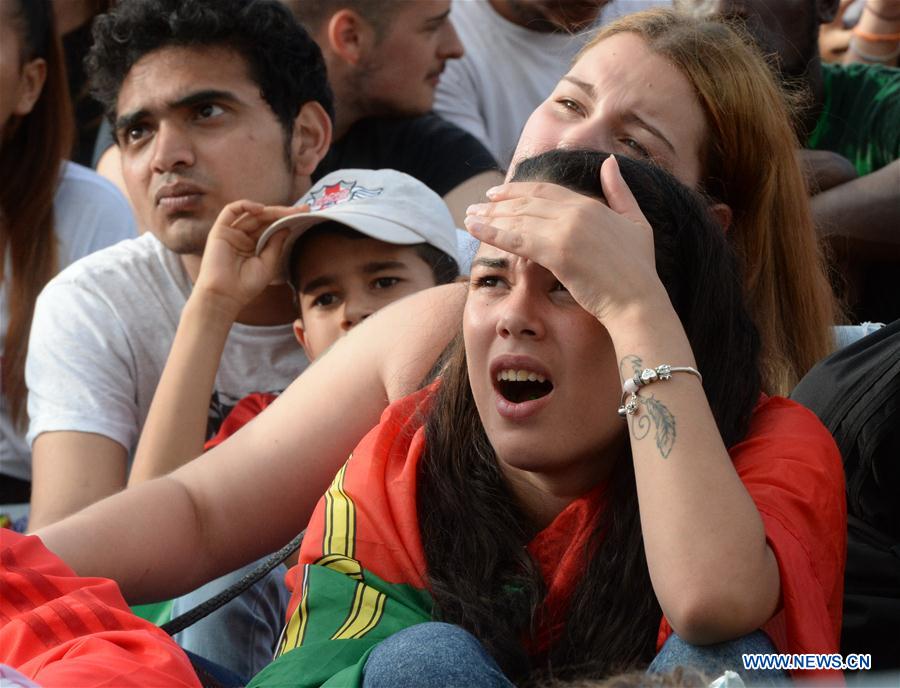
473 531
32 151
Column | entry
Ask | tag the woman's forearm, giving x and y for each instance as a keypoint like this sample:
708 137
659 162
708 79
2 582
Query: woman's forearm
147 539
712 571
255 491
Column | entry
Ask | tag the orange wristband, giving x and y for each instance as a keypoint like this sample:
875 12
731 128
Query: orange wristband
877 37
868 57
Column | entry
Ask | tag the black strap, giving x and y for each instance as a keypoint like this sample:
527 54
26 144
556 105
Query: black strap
204 609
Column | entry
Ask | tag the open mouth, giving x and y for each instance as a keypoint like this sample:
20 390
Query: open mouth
520 385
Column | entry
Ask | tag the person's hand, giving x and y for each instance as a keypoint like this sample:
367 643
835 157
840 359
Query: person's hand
834 37
824 169
231 272
602 254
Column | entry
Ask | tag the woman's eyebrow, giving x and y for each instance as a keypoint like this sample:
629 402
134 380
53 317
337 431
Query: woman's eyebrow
591 92
491 263
637 119
585 86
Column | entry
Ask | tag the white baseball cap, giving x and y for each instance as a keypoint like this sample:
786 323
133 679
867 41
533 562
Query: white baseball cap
382 204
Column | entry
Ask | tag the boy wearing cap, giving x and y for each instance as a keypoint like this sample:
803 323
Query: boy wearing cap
359 240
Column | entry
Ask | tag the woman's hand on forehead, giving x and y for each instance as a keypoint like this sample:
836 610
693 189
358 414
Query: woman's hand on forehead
602 254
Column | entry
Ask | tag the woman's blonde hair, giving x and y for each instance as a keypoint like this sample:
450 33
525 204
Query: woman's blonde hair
748 162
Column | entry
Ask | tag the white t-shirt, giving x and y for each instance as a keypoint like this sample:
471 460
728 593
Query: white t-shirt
619 8
89 214
506 72
101 335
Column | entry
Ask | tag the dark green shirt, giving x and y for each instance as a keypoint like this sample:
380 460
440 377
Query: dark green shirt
861 117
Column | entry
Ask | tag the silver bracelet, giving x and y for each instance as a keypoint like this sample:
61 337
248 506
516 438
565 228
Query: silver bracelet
645 377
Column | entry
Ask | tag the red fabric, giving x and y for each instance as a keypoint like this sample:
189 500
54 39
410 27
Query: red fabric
788 463
560 550
792 469
380 479
244 411
62 630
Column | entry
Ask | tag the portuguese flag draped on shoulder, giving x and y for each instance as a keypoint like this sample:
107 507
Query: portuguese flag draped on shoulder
361 572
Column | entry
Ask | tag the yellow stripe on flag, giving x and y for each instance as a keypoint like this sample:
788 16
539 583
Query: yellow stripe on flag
366 612
340 519
337 562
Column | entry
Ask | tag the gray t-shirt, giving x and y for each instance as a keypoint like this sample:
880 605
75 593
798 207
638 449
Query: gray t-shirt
101 335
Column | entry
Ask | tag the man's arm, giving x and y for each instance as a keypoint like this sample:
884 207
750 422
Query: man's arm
865 210
71 470
824 169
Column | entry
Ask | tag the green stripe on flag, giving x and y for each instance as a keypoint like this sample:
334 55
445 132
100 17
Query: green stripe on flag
342 619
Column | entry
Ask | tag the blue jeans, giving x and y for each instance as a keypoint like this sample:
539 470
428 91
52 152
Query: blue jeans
713 660
213 674
436 654
432 655
242 635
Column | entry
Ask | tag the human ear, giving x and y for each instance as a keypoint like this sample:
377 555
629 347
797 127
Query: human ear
31 83
350 36
721 213
311 138
300 334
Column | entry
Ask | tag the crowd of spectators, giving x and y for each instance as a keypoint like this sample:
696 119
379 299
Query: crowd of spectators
593 289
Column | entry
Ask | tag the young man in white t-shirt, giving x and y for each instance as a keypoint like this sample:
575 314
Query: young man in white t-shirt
205 112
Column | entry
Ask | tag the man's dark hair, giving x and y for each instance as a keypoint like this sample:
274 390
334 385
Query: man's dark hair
313 13
283 59
443 266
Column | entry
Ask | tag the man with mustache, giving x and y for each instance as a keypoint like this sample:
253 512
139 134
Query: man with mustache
204 113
